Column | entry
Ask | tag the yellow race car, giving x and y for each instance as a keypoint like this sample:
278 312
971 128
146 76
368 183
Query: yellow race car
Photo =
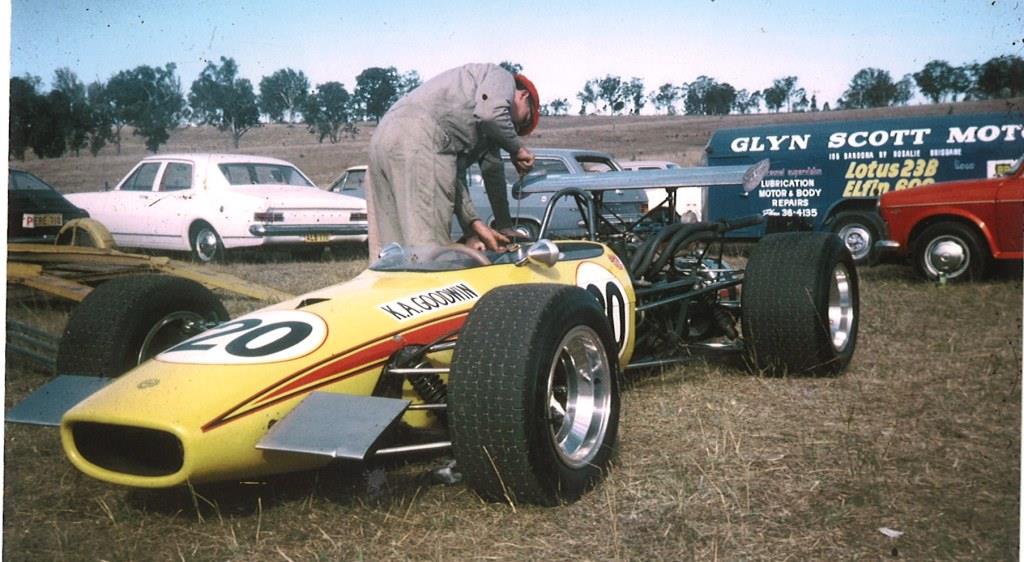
509 360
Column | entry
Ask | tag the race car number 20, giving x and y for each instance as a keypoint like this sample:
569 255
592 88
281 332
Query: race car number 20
611 295
263 337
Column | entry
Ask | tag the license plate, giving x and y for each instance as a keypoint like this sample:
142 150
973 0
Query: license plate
318 237
39 221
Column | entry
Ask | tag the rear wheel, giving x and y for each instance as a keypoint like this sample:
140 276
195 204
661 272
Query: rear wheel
206 243
533 394
800 304
128 320
952 251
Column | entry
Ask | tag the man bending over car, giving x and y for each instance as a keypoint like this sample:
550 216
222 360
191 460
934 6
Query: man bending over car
424 144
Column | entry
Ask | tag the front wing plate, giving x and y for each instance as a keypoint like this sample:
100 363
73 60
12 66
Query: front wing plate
334 425
46 406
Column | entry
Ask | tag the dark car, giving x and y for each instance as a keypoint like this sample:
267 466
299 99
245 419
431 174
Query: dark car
35 210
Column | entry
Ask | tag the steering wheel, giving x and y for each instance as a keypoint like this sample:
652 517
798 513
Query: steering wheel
475 255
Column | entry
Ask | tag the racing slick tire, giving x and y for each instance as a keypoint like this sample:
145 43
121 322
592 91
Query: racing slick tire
127 320
950 250
87 233
800 304
859 231
533 394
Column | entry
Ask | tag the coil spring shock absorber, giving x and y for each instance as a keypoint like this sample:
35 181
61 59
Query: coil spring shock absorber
430 387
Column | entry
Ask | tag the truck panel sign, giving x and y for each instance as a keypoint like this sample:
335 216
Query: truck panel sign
818 169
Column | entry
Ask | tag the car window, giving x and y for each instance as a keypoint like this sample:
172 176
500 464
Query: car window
552 166
24 181
177 176
244 173
595 165
142 179
353 180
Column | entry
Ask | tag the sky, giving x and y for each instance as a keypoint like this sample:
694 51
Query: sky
560 45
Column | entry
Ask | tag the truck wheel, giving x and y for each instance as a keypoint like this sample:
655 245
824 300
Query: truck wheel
800 304
533 394
951 250
127 320
88 233
206 243
859 231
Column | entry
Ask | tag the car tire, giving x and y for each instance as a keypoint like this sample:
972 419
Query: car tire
127 320
800 304
860 232
87 233
526 426
206 244
950 250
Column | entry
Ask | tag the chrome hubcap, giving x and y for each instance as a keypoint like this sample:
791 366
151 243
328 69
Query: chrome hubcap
858 239
579 397
206 244
840 308
947 255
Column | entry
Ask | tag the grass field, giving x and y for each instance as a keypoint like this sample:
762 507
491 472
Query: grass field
921 434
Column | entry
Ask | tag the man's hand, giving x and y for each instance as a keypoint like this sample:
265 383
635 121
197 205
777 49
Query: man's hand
485 237
523 161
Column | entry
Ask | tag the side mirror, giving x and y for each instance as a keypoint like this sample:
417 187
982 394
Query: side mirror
106 186
542 252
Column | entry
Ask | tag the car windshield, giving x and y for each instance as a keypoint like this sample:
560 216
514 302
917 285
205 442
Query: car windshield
246 173
452 257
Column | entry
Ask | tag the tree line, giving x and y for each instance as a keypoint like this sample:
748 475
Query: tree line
74 116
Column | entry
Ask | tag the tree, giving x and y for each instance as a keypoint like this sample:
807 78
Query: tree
665 98
377 89
745 101
77 127
328 112
283 92
101 117
587 96
936 80
514 68
557 106
706 96
23 98
1001 77
150 100
633 92
220 98
874 87
783 92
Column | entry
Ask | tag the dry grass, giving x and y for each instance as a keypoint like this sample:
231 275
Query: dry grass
921 434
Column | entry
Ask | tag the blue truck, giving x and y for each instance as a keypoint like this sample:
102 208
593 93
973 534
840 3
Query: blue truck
828 175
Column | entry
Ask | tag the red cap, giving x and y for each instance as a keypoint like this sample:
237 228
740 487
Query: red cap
523 83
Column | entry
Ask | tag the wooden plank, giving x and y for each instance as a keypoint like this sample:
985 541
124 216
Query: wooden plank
64 288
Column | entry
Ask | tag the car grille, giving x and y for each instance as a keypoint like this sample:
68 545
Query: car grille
129 450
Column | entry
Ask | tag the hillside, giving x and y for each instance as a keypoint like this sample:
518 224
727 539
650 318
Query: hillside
678 138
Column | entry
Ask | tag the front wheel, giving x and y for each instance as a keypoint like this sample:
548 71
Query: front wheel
951 251
860 232
533 394
800 304
127 320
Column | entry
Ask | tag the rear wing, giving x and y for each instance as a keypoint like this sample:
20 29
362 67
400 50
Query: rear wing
747 176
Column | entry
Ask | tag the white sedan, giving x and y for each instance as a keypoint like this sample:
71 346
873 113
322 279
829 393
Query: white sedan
209 203
689 200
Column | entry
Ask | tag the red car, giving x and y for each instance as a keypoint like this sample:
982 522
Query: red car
953 230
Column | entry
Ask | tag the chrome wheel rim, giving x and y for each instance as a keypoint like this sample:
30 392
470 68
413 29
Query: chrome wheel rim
172 329
858 239
206 244
579 397
840 308
947 256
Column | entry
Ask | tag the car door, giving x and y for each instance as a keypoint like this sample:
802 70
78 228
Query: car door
128 214
1010 213
171 206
